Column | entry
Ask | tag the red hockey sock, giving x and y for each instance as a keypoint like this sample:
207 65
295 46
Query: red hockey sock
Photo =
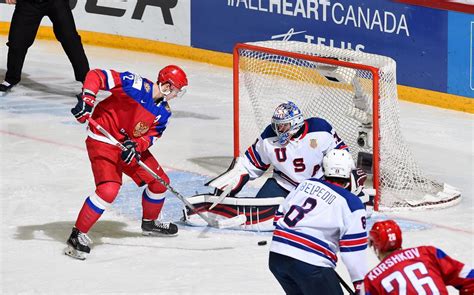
90 213
152 204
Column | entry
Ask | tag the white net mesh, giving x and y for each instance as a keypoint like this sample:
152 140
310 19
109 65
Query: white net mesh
322 90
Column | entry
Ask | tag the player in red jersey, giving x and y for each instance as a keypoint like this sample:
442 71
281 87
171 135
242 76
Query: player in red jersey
136 113
418 270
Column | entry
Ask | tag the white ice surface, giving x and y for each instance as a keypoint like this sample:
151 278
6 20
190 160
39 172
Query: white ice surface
45 177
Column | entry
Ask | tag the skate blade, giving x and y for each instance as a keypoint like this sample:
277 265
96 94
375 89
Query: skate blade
155 234
79 255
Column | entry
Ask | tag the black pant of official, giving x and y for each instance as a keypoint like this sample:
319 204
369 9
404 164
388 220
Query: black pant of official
24 26
300 278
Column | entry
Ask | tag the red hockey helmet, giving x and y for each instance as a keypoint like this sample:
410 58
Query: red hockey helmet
174 75
385 236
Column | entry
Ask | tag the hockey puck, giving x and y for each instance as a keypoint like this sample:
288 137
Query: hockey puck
262 243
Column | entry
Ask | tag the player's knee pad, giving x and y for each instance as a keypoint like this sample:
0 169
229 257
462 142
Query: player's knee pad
156 187
108 191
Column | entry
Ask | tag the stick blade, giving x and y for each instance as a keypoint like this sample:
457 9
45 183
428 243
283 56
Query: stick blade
232 222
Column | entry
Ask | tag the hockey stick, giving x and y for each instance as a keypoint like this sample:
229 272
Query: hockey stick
344 284
221 197
231 222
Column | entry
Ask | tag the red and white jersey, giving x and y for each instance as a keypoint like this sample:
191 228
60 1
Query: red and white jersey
319 219
129 110
300 159
419 270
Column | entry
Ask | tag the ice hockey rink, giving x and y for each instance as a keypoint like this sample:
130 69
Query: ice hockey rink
45 177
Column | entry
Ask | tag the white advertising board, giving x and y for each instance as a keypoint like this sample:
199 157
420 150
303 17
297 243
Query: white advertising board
159 20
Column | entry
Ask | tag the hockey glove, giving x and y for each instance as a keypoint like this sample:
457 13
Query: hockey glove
358 285
83 108
130 153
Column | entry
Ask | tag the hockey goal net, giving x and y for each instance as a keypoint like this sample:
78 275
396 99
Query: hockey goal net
355 92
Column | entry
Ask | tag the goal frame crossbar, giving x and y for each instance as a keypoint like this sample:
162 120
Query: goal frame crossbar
334 62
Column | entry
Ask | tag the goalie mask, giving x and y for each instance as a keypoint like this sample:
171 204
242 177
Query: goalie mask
338 163
287 119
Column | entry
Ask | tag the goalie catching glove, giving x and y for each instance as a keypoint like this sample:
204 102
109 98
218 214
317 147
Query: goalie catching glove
233 180
358 178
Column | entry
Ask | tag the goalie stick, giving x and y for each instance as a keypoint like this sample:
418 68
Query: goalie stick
231 222
221 197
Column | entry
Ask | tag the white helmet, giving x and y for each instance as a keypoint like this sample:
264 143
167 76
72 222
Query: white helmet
338 163
287 114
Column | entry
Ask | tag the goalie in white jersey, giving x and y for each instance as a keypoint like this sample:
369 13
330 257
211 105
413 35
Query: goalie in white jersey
295 147
314 222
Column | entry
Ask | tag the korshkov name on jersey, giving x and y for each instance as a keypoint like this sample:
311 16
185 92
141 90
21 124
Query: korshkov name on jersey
392 260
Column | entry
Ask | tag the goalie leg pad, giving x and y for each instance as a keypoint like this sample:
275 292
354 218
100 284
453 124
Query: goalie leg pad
259 212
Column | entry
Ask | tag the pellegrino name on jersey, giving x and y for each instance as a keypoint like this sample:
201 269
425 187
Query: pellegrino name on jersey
392 260
318 191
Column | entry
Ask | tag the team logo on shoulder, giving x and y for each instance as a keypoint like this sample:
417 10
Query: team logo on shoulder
147 87
313 143
140 129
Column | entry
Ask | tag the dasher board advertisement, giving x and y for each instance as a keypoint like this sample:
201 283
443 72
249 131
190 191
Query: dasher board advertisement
414 36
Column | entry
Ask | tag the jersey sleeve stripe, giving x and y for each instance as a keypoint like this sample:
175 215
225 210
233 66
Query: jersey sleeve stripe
466 272
305 240
302 247
354 242
305 236
440 254
353 249
255 159
110 82
251 160
354 236
257 156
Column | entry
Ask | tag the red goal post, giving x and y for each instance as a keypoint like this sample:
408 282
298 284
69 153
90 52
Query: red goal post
270 72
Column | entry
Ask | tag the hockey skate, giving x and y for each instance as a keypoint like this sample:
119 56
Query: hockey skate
78 245
5 87
158 228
